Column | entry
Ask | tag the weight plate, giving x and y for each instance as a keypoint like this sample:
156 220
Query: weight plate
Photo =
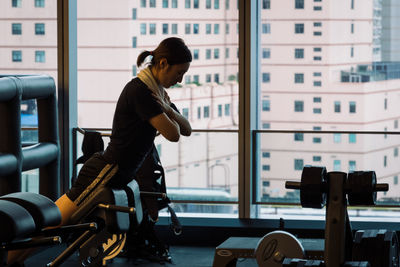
362 188
313 187
274 247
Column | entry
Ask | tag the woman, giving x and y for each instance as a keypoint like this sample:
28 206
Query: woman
143 109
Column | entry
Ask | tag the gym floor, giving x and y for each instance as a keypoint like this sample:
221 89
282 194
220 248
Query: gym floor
183 256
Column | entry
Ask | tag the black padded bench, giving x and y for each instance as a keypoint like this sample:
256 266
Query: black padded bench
22 216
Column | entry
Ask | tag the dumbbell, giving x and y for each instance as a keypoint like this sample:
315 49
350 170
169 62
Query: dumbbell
360 186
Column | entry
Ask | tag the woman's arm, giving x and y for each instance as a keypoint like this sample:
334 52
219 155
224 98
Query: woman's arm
166 127
184 125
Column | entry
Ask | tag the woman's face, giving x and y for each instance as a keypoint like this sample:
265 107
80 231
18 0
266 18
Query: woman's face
170 75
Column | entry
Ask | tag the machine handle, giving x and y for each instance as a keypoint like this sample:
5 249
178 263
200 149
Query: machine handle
117 208
292 185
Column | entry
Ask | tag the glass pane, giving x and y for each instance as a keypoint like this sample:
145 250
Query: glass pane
285 157
107 56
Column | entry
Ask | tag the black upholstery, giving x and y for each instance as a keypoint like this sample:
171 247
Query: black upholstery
8 164
15 221
44 211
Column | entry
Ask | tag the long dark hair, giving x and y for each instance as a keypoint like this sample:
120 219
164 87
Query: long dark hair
173 49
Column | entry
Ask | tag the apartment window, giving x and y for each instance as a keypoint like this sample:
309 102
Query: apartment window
298 78
206 111
174 4
219 110
317 128
266 77
226 52
187 79
174 28
227 4
352 107
208 4
266 28
317 8
317 74
317 140
337 138
317 33
216 4
385 103
152 3
16 28
266 105
317 58
266 167
298 164
352 165
352 138
317 83
196 54
195 3
336 165
351 51
352 27
396 180
299 28
134 13
216 53
187 28
196 79
266 125
187 3
216 77
396 152
317 158
336 107
317 110
298 53
352 4
298 106
266 154
208 78
134 70
185 112
16 3
317 24
299 4
165 3
208 53
39 28
152 28
396 124
165 28
142 3
227 109
195 28
298 137
216 28
198 112
384 161
266 52
317 100
134 42
208 28
143 28
317 49
226 28
39 3
17 56
40 56
266 4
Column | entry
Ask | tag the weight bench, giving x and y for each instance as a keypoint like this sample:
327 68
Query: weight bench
23 217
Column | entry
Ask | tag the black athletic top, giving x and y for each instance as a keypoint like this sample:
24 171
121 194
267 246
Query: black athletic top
132 135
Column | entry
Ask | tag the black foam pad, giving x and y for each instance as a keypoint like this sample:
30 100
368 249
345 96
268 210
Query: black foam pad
44 211
15 221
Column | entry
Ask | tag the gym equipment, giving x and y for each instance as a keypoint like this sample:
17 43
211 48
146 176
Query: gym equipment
317 189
